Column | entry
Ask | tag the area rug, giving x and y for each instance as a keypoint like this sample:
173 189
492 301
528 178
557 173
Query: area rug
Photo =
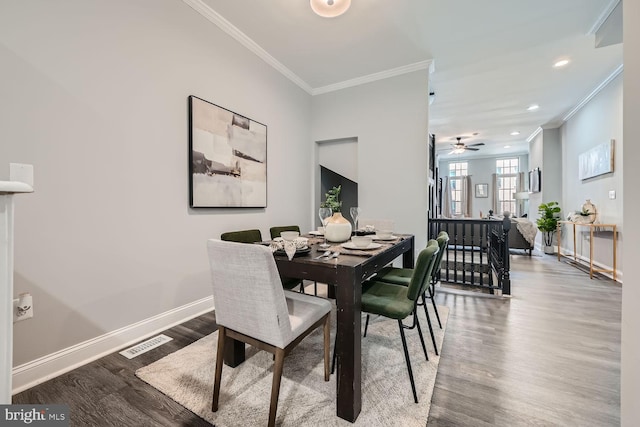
186 376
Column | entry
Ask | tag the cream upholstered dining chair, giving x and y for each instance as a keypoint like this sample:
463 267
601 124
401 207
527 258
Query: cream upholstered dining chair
251 306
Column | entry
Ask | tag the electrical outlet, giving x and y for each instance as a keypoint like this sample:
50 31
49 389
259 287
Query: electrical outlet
612 194
22 307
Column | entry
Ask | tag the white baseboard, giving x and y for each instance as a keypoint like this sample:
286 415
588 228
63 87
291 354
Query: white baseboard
44 368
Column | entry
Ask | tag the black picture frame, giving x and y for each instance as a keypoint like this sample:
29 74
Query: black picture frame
535 180
482 191
227 158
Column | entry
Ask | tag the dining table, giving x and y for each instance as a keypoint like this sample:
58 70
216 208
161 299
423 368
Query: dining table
345 274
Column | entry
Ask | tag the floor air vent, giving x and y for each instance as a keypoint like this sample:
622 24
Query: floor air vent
145 346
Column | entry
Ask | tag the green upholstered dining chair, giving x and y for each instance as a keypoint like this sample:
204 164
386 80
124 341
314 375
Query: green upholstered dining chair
402 276
251 307
242 236
253 236
276 231
399 302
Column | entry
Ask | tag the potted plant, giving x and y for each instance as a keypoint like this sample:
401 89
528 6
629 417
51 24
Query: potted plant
338 229
332 199
548 223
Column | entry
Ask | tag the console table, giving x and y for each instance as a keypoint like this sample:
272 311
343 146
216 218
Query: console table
592 228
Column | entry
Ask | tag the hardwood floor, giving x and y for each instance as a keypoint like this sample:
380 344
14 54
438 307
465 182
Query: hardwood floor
549 355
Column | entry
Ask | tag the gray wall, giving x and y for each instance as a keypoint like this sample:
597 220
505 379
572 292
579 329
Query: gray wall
94 95
596 123
631 291
392 158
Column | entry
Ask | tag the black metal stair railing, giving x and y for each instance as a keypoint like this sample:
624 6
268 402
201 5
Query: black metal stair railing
478 252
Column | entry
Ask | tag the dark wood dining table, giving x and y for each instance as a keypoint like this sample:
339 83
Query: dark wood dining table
346 274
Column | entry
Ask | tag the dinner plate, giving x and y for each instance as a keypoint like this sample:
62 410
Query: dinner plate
376 237
316 233
350 245
299 252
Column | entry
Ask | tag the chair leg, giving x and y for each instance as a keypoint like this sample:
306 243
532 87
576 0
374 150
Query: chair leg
426 312
315 288
424 346
432 294
327 344
218 375
275 387
366 326
406 358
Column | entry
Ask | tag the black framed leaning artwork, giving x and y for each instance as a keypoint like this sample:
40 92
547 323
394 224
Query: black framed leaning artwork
227 158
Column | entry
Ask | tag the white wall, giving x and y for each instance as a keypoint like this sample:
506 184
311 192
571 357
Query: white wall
630 374
94 94
390 119
481 170
596 123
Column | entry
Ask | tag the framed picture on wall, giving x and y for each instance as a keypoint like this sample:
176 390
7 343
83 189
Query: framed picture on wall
227 158
482 190
534 180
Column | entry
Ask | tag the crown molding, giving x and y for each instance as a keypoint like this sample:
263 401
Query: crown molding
226 26
603 17
593 93
422 65
534 134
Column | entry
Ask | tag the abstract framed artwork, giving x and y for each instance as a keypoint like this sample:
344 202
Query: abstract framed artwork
482 191
597 161
227 158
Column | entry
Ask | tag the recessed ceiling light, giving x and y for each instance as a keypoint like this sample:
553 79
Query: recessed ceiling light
561 63
507 146
514 133
533 107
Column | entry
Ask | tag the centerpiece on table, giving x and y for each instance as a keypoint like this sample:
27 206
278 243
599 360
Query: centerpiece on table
338 228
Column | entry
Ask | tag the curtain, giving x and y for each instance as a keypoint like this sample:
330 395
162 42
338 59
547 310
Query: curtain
466 197
446 197
494 194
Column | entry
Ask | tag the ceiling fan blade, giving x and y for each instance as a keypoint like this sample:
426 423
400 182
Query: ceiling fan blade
473 145
472 149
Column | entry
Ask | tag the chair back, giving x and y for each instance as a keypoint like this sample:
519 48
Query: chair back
247 291
443 241
242 236
422 270
276 231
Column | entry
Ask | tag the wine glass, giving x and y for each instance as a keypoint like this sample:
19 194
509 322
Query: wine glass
355 212
325 214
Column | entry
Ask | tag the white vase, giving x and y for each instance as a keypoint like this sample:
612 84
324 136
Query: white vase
338 229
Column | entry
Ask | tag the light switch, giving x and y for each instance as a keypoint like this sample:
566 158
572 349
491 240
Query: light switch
612 194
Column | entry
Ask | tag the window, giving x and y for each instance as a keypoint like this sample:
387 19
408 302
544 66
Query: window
456 171
507 171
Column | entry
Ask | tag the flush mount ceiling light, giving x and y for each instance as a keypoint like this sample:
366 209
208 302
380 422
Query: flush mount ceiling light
561 63
330 8
533 107
514 133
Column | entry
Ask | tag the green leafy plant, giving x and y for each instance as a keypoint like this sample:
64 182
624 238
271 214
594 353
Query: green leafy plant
548 221
332 199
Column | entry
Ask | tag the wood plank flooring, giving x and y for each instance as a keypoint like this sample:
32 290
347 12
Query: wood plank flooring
549 355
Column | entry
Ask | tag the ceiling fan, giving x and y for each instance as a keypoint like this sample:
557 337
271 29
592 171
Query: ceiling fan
460 147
